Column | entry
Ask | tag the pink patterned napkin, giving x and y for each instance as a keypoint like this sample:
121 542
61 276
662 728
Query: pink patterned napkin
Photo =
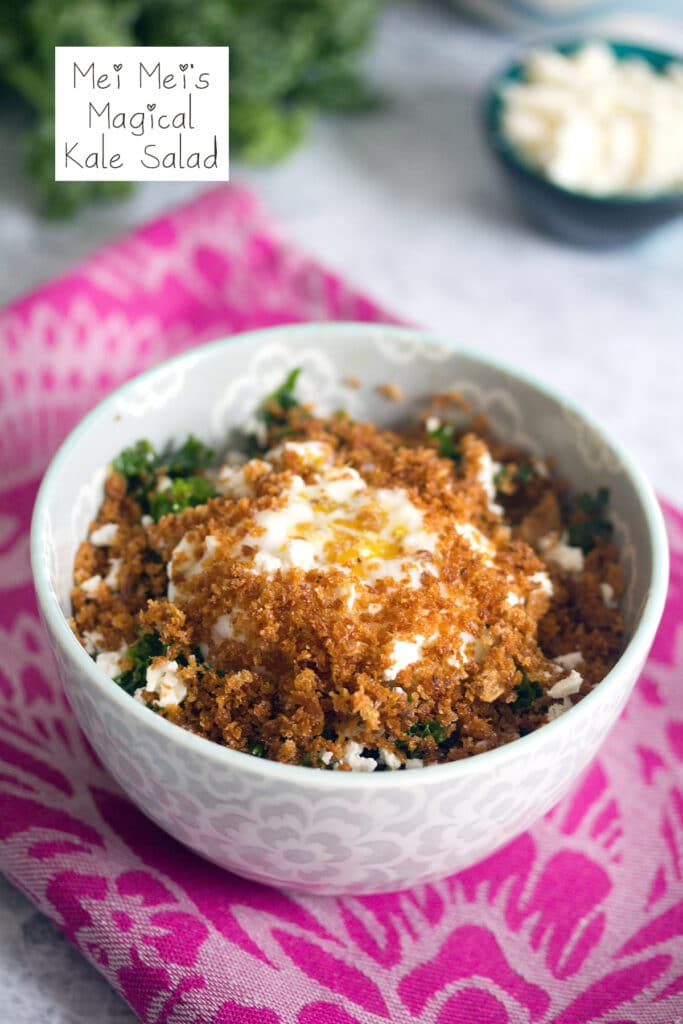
578 920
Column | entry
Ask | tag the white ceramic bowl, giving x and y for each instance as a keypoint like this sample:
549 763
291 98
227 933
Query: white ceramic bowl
302 828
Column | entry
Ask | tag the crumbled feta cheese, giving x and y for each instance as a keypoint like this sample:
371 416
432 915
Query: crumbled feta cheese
403 654
104 535
432 424
111 662
543 582
164 483
566 687
388 758
486 476
558 551
597 124
223 628
607 594
211 545
185 562
92 639
267 563
232 482
324 522
415 575
112 577
299 554
414 762
512 599
256 428
91 585
235 458
327 757
146 521
353 758
472 648
163 680
343 484
569 661
311 453
557 709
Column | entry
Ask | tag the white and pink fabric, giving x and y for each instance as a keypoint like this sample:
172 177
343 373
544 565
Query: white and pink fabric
579 920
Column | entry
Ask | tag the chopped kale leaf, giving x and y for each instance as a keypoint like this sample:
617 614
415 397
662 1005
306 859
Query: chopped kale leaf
430 728
138 465
448 445
272 413
275 407
141 465
588 520
191 456
137 461
527 692
284 394
525 473
184 492
140 653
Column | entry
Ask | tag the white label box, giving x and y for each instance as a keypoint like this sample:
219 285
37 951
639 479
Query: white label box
142 113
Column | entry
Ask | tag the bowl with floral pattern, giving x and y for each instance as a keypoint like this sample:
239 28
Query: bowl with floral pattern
290 825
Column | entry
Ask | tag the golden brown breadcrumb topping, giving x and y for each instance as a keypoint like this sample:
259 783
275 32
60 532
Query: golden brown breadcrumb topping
385 643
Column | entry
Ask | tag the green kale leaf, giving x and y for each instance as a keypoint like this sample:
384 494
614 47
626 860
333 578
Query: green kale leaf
138 465
140 653
272 412
588 522
276 406
142 465
448 445
527 692
431 728
191 456
137 461
184 492
525 473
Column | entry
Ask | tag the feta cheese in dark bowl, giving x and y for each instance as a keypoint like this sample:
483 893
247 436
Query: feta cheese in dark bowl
590 137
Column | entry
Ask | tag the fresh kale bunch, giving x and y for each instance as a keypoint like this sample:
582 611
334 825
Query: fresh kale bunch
288 59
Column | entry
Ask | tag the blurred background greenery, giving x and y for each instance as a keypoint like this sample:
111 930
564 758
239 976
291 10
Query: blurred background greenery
288 60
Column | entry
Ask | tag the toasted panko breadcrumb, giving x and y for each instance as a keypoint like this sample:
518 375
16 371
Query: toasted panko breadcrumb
305 652
390 391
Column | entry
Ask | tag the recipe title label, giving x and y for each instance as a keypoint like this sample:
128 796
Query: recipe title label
141 113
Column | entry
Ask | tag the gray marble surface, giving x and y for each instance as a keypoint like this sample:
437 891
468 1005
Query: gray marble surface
407 205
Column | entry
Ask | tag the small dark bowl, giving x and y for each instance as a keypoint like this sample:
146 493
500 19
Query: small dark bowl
596 222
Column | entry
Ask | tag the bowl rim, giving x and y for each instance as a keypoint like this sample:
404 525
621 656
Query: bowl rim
631 657
492 106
